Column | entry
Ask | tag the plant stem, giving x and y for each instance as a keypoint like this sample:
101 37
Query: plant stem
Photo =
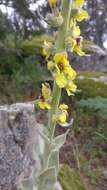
60 46
54 109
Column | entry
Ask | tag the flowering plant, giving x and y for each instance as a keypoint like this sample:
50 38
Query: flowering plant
66 17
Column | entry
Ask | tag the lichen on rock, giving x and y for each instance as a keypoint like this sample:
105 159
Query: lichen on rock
17 137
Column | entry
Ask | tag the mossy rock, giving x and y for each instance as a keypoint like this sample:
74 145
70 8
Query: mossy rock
88 88
70 179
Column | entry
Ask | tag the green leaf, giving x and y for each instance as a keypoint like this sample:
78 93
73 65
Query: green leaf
59 141
47 179
54 160
44 136
27 185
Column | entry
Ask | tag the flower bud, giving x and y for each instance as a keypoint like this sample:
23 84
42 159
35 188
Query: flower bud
52 3
54 21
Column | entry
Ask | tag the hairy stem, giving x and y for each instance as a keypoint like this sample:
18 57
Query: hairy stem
60 46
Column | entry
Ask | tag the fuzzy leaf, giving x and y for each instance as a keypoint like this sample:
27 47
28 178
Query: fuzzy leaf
44 136
27 185
59 141
47 179
54 160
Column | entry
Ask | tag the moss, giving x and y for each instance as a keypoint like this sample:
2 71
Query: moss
88 88
70 179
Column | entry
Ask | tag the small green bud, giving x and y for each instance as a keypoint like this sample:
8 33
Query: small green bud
54 21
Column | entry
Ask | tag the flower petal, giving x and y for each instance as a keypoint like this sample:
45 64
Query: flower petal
43 105
61 80
60 56
82 15
79 51
76 31
63 107
71 73
70 88
62 118
79 3
46 91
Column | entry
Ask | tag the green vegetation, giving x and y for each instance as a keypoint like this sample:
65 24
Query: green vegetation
89 110
88 88
91 137
91 74
70 179
34 45
97 105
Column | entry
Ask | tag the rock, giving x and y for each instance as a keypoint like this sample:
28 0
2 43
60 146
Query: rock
104 172
18 134
94 62
103 78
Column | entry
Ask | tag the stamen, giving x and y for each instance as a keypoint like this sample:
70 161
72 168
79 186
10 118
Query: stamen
78 40
61 66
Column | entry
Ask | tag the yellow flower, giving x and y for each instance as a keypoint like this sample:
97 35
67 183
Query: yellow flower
81 15
77 46
63 107
43 105
50 65
52 3
79 51
71 88
75 41
61 69
58 67
62 118
78 3
46 49
46 53
76 31
46 92
61 58
60 79
44 99
60 61
71 73
62 65
63 113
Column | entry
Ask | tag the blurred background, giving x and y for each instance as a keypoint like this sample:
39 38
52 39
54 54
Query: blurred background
23 68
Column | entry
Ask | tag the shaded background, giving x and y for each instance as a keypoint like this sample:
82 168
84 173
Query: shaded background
22 32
